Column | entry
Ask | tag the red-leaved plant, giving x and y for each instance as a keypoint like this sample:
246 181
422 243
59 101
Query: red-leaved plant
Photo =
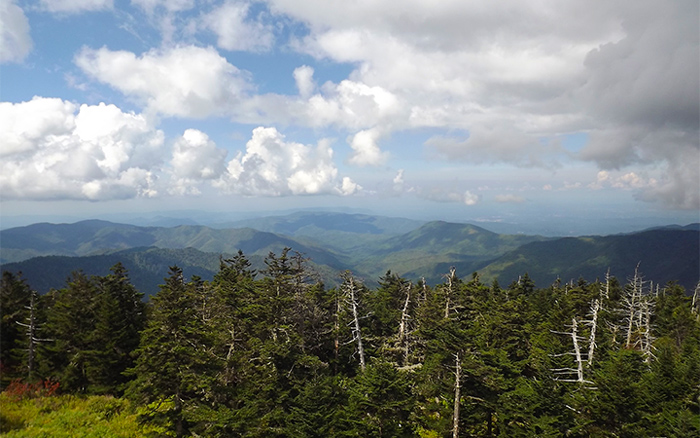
19 390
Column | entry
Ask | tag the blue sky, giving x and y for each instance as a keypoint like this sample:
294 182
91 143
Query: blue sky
477 110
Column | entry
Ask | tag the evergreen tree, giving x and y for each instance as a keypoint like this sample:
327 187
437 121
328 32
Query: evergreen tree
120 317
174 366
70 324
15 298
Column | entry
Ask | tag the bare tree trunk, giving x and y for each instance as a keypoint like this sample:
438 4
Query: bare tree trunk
594 326
404 315
32 339
31 331
337 332
450 279
350 286
577 350
648 339
632 303
455 416
403 325
696 299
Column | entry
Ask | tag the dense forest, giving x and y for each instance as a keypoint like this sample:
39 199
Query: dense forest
275 353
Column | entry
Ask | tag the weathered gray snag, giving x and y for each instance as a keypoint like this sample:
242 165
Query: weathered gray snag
449 291
631 307
350 290
593 323
647 339
403 325
32 340
455 416
578 357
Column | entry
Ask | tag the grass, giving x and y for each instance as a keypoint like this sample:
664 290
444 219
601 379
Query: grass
70 417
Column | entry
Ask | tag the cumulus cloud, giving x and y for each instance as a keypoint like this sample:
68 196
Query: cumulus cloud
92 152
349 187
515 76
304 78
644 94
75 6
398 181
272 166
184 81
494 144
510 198
195 158
366 151
439 194
15 42
236 30
626 71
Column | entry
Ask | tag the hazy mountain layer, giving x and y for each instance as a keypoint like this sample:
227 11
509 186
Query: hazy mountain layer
367 245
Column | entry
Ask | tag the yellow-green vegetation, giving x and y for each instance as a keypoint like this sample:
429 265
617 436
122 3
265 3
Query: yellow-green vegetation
69 416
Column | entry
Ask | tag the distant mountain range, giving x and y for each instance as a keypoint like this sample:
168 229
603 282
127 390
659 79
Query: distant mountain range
368 245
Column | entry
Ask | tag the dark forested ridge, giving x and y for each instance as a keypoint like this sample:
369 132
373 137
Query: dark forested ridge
366 245
273 352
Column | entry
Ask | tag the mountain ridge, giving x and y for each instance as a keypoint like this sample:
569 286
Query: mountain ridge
368 246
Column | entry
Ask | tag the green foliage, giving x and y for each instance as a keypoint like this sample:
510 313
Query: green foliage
70 417
15 296
273 353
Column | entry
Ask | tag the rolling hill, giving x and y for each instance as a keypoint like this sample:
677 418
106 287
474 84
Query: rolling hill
663 254
367 245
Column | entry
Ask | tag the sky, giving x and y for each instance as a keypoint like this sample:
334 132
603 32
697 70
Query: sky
475 110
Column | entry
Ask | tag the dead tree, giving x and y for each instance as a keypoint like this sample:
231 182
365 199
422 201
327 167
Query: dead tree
32 327
566 372
606 289
455 416
350 290
631 307
638 309
696 300
593 324
449 290
647 339
403 325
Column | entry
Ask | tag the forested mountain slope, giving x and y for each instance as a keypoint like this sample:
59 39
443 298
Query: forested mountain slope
364 244
147 266
663 254
99 237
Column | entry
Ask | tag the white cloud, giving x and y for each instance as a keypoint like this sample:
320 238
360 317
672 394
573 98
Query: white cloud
185 81
272 166
169 5
515 76
349 187
26 125
493 144
439 194
196 157
99 153
515 73
75 6
398 179
304 78
15 41
470 198
236 30
626 181
366 151
510 199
